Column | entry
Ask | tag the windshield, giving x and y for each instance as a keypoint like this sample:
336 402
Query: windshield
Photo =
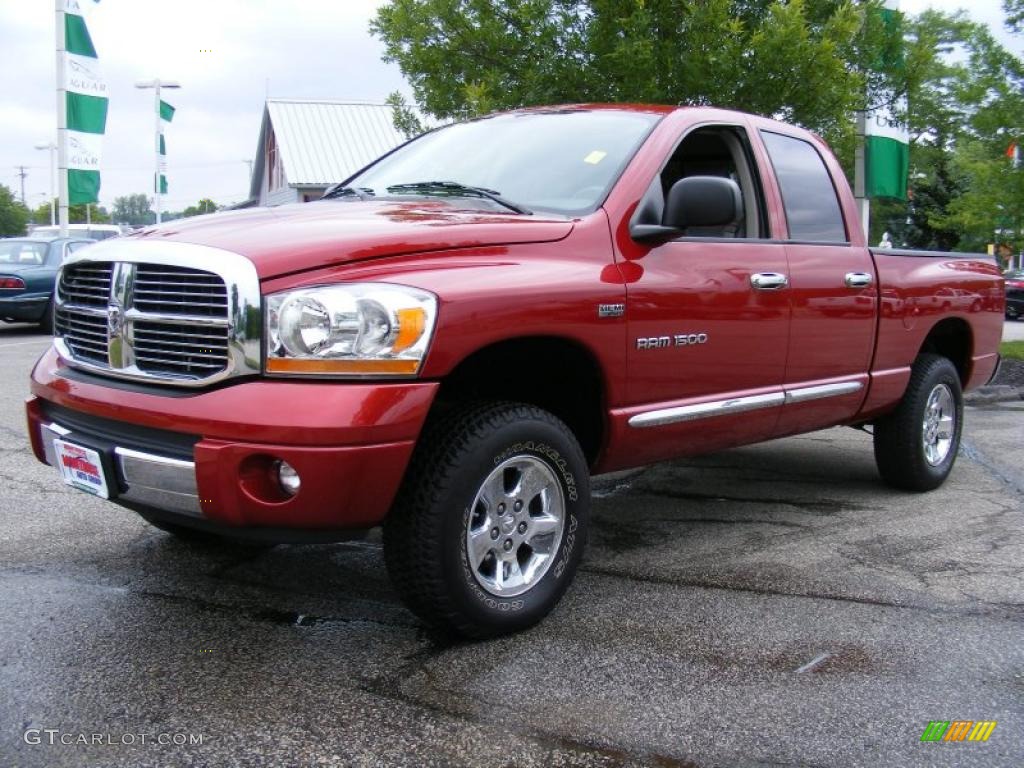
563 161
22 252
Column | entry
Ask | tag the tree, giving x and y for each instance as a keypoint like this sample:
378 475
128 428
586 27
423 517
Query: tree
966 109
405 118
13 215
806 61
133 209
206 205
1014 10
76 214
991 209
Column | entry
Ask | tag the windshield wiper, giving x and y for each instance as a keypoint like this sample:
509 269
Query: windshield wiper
340 190
457 189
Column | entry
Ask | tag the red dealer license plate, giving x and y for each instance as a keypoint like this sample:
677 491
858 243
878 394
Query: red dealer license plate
81 467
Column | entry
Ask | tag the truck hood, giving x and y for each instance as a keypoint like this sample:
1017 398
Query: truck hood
303 236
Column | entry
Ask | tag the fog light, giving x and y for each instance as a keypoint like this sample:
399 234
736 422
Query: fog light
288 478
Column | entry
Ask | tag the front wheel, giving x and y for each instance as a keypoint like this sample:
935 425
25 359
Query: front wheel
916 445
489 526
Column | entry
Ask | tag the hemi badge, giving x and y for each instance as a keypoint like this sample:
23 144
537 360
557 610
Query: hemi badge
611 310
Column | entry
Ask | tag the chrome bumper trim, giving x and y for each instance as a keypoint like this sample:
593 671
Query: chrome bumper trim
156 481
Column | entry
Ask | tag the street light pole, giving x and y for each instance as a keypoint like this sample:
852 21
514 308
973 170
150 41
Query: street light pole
156 84
52 146
248 162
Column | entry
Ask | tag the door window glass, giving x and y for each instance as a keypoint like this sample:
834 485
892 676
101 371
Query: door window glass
812 208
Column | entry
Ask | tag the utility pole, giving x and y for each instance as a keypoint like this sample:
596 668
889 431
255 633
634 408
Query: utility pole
22 173
156 84
52 147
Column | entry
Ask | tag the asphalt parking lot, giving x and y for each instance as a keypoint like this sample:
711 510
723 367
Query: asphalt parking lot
766 606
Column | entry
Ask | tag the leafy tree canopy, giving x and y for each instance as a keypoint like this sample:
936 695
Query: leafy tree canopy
806 61
76 214
13 215
133 209
206 205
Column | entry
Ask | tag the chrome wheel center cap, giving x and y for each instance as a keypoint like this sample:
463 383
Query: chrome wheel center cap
508 523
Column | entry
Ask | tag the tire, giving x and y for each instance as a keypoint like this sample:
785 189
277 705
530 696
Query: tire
495 468
46 321
916 445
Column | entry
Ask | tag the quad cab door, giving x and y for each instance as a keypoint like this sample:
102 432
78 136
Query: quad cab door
708 314
832 284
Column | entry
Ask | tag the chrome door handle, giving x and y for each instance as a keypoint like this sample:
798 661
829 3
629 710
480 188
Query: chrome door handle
858 279
769 281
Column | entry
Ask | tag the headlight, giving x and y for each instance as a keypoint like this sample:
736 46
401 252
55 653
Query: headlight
355 329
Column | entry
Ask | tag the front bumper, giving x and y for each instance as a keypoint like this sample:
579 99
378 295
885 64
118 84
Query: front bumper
209 456
23 309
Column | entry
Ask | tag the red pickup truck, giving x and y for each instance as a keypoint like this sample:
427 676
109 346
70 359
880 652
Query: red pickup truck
454 339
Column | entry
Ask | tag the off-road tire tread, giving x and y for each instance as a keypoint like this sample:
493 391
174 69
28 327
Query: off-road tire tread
898 453
413 526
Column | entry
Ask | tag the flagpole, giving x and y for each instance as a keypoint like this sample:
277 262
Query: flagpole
156 84
156 177
859 185
62 121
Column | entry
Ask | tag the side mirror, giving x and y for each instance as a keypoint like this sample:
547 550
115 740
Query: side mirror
702 201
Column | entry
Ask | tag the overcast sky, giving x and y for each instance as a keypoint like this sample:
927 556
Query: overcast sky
228 55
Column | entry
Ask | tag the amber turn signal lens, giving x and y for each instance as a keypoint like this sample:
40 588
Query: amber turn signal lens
342 367
411 323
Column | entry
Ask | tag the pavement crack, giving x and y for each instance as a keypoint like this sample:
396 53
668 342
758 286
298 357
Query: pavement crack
1010 611
266 615
718 521
827 506
390 688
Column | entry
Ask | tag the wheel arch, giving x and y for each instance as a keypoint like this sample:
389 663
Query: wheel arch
558 374
952 338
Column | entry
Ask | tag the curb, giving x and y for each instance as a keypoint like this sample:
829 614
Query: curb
994 393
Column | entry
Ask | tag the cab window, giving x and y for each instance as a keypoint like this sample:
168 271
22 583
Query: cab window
808 195
722 151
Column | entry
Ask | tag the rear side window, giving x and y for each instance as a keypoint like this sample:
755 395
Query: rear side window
812 208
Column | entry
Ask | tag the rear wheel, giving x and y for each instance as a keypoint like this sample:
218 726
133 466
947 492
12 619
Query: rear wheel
489 527
916 445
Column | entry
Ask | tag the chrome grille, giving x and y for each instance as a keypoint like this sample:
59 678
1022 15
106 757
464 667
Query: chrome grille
166 349
88 284
162 289
85 334
165 312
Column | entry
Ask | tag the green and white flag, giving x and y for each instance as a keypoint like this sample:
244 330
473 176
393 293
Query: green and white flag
886 140
166 114
86 99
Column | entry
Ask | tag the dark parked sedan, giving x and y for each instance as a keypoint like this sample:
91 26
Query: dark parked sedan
28 271
1014 294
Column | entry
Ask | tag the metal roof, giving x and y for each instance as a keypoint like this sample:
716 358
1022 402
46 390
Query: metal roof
323 142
